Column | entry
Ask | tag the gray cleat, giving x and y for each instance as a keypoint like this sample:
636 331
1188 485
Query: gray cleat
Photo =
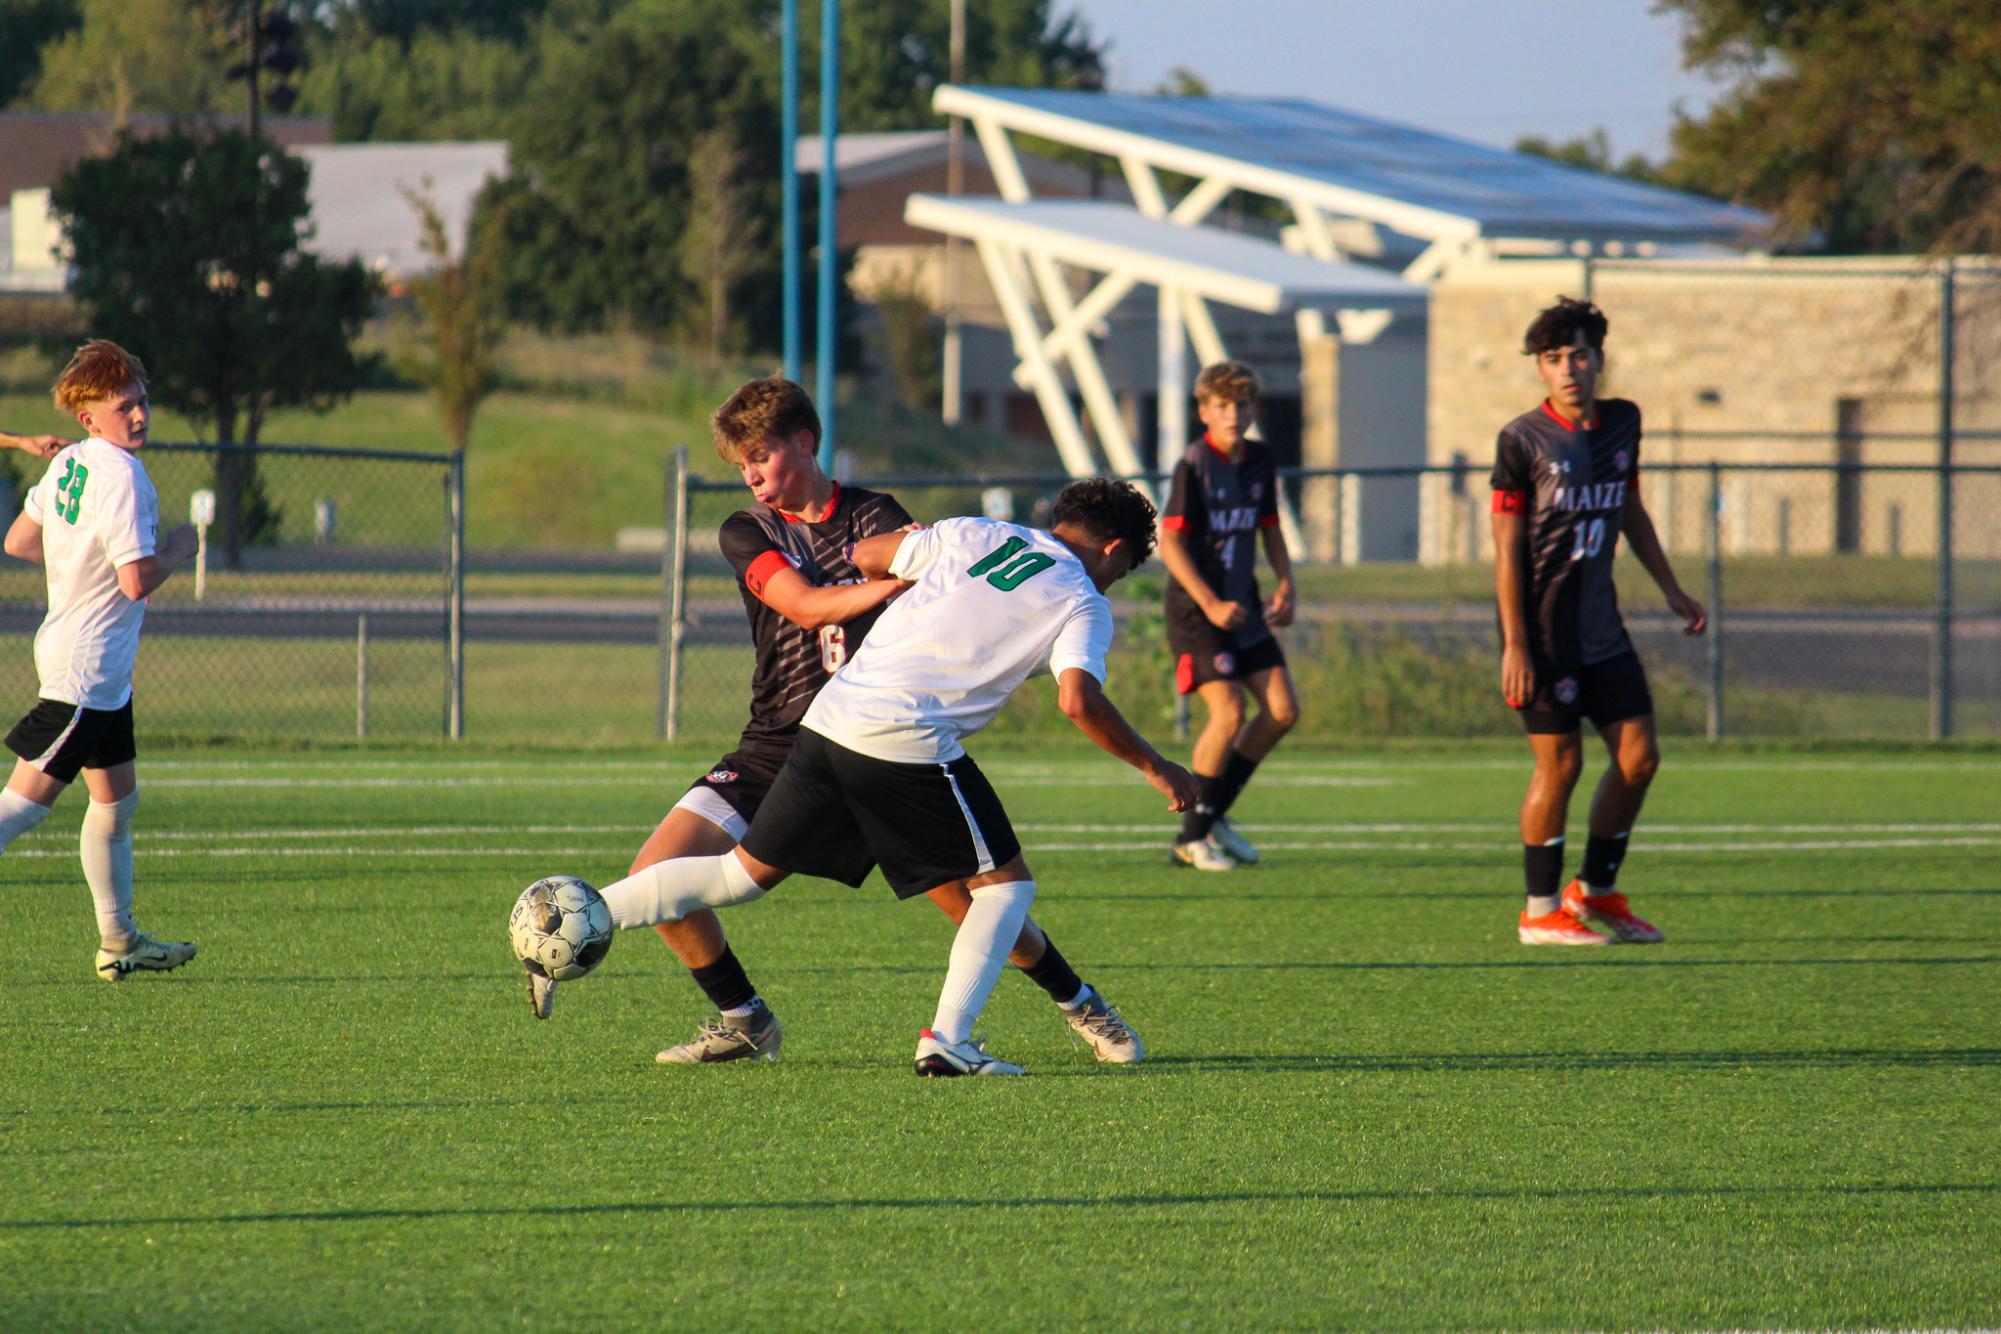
727 1037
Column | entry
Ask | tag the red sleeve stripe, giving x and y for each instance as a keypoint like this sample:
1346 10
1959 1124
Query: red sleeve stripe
761 570
1174 523
1267 520
1511 502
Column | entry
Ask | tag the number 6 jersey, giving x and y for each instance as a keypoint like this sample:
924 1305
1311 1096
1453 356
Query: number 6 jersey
98 511
794 662
1571 486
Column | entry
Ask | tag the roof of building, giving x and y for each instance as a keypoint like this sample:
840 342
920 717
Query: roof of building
37 147
1409 179
1231 267
358 204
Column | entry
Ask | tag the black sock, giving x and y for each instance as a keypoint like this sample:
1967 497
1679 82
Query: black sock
1237 771
1195 821
1053 973
1601 861
725 983
1542 868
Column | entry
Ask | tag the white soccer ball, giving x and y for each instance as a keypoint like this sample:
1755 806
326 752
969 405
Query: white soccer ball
560 928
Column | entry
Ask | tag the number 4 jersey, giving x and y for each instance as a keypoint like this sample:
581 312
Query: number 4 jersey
1571 486
98 511
991 604
794 662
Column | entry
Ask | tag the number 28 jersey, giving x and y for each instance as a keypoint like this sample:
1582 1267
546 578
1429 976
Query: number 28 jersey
1571 485
792 661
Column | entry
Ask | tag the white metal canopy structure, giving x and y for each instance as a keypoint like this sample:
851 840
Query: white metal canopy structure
1022 245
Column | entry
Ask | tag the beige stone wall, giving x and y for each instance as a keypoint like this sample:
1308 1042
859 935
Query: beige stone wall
1714 358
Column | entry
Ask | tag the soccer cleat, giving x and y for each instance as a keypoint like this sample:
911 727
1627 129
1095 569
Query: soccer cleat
1233 844
541 994
143 955
935 1056
1611 912
1105 1030
1557 928
729 1037
1203 855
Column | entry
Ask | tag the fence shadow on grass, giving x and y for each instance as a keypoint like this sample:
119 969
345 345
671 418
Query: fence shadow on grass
925 1204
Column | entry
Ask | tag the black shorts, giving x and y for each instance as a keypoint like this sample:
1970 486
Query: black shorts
837 814
729 794
62 739
1208 654
1605 692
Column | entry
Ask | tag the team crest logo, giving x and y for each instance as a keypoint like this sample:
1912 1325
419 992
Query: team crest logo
1619 461
1226 664
1566 690
722 775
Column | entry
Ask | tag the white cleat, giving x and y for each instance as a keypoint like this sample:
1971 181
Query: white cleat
1225 836
1203 854
541 994
143 955
935 1056
1105 1030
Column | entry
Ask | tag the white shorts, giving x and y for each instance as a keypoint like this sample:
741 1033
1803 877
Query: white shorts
704 802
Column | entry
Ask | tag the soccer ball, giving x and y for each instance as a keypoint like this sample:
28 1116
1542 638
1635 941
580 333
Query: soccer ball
560 928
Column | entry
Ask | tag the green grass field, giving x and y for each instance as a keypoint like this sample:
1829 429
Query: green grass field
1365 1107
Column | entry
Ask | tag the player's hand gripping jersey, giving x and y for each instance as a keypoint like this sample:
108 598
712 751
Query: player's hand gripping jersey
793 662
1218 506
98 510
992 604
1571 486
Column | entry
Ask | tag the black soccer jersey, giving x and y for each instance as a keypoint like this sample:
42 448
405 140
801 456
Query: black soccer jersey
1217 505
794 662
1572 486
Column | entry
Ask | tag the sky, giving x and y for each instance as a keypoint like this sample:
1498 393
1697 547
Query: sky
1490 70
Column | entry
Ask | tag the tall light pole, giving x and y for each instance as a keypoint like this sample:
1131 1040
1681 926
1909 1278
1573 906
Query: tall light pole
789 132
954 392
830 129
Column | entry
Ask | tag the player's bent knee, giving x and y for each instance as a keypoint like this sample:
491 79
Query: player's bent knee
1638 768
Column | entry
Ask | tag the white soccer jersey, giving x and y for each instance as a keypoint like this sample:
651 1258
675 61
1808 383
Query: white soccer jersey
98 511
991 604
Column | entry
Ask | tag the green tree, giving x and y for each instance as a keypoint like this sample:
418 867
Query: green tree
463 324
187 250
1593 152
26 26
723 239
1869 125
437 85
167 56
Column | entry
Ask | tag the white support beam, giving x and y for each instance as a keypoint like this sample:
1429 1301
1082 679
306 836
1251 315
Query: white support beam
1202 330
1084 316
1198 203
1003 272
1362 326
1171 412
1145 187
1083 361
1314 231
1001 161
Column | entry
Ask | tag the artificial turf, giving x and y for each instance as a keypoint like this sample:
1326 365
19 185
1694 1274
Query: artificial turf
1365 1105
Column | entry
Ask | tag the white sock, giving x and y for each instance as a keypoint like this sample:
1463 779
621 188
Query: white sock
670 890
18 815
105 848
991 927
1076 1002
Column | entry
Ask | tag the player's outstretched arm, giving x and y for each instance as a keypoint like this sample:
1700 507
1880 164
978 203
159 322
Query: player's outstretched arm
1511 565
1084 703
24 539
872 555
1645 545
138 578
789 594
41 446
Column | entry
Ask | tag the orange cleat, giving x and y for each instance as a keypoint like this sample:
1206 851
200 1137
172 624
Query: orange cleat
1611 912
1557 928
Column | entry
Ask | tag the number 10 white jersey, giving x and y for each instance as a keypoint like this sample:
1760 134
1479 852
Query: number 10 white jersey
991 604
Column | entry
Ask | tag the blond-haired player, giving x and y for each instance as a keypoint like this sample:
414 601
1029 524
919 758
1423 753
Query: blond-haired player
92 523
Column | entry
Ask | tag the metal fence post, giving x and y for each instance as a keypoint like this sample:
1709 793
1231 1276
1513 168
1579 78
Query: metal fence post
1941 682
361 677
1714 729
674 566
455 597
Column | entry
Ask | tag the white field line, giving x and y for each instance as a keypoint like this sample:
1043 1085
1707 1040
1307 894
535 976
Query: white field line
1153 845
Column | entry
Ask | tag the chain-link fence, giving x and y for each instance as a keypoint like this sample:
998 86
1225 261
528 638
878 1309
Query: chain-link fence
335 614
1833 614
